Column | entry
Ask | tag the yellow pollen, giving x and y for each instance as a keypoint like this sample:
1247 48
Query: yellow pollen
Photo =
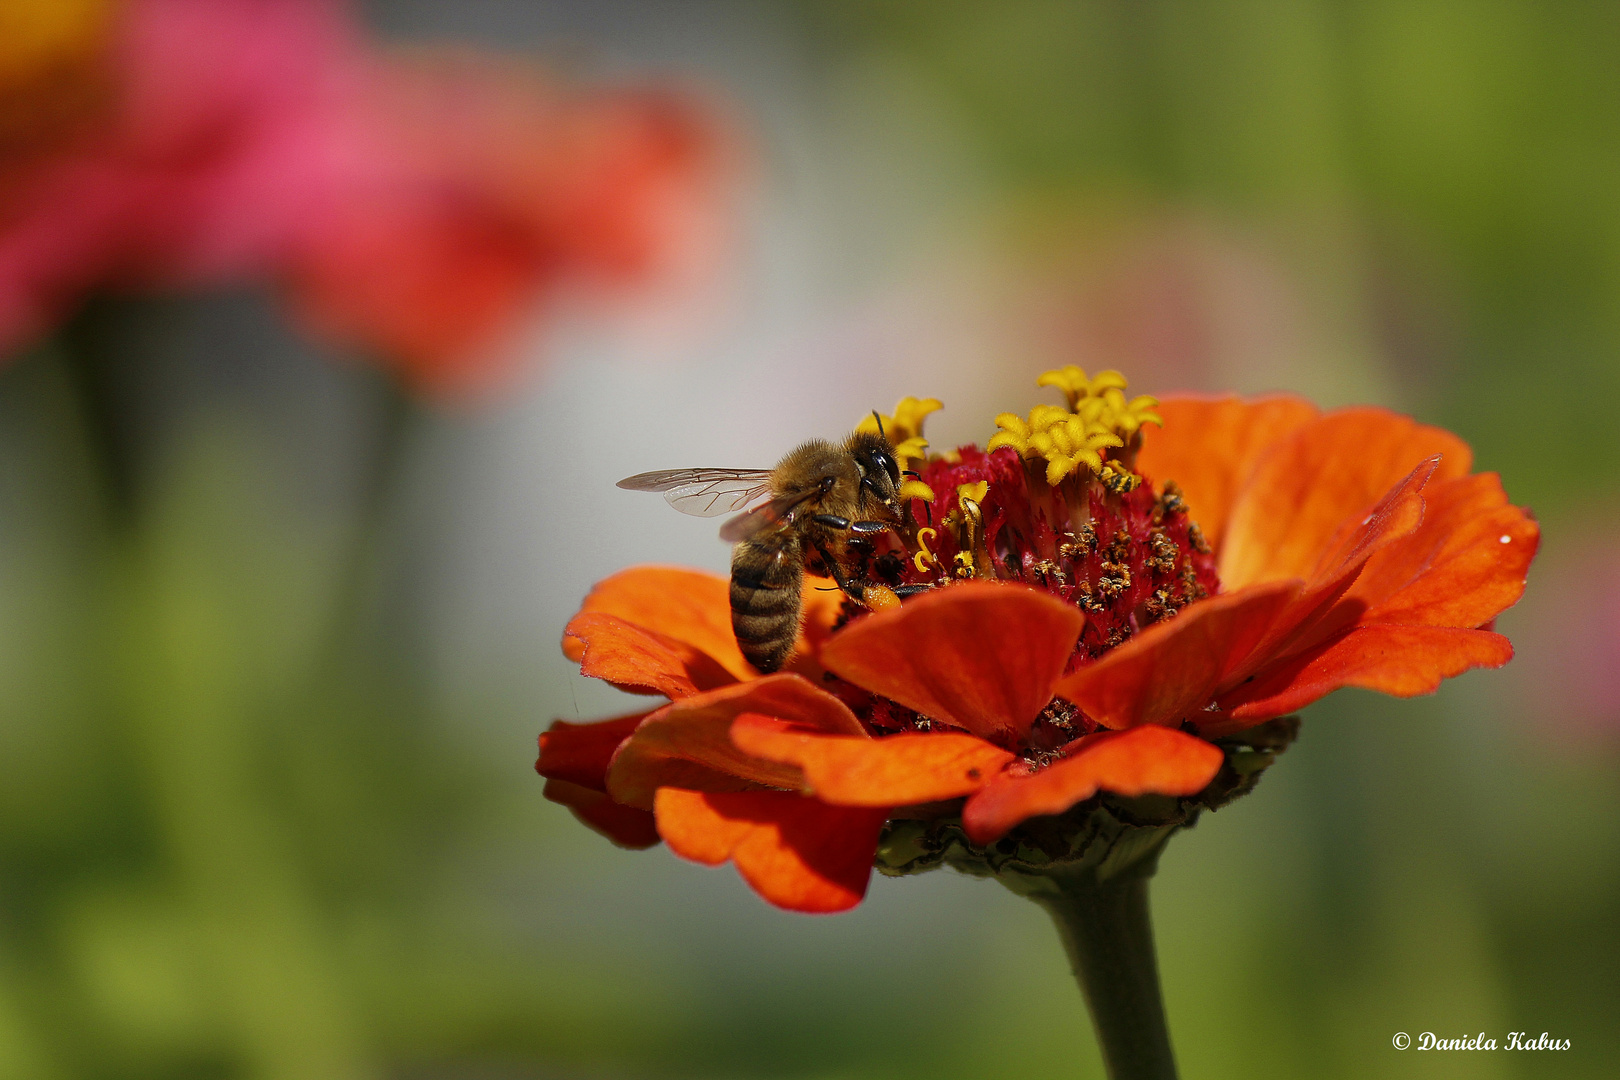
1116 478
880 598
1072 440
973 492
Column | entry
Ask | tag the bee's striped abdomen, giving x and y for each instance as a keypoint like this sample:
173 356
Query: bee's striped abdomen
766 576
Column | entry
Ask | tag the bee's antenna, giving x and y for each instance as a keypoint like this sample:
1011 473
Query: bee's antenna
879 420
910 472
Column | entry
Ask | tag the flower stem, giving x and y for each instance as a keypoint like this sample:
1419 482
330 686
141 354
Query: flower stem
1108 935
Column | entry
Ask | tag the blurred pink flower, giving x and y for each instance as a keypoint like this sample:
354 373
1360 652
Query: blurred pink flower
417 207
1569 636
1183 299
214 144
474 189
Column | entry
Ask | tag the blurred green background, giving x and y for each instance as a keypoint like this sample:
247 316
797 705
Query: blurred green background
276 639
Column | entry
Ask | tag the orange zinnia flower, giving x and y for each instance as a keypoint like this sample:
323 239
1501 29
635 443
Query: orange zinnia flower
1108 610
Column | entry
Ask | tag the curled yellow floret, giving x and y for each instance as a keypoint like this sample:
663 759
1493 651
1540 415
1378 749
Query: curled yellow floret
1072 439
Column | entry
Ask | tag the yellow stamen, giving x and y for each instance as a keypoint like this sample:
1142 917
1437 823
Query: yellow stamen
1072 439
973 492
972 560
904 429
912 449
1076 387
924 557
916 489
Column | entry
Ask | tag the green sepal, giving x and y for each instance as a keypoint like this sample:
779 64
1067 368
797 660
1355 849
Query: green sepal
1097 840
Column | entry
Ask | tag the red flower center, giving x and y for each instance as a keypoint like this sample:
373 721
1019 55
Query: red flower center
1111 544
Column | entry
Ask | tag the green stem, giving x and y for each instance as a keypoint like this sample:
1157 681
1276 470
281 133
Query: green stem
1108 935
95 355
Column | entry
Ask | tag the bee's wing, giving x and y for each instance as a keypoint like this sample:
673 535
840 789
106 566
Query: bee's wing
756 520
763 516
703 492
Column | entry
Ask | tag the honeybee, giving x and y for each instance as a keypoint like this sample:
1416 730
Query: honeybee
820 504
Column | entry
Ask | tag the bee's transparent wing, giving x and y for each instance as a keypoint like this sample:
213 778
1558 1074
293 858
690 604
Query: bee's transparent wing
764 516
756 520
704 492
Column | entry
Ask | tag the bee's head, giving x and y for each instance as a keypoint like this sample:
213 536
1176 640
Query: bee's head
880 469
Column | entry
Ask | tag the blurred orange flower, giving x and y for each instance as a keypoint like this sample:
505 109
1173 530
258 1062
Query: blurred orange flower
51 57
417 207
1084 631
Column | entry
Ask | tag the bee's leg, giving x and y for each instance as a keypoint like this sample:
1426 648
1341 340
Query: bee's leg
833 521
853 589
911 590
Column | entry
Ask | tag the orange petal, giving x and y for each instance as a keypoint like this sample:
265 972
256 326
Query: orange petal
697 731
1208 446
637 661
796 852
977 655
689 608
823 603
1463 566
1144 760
1307 486
1319 611
624 825
1397 513
1401 660
893 771
1173 668
579 753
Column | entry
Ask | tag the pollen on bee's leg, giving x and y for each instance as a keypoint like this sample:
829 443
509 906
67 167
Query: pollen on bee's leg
879 598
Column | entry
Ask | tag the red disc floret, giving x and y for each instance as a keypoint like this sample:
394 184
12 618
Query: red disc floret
1126 559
